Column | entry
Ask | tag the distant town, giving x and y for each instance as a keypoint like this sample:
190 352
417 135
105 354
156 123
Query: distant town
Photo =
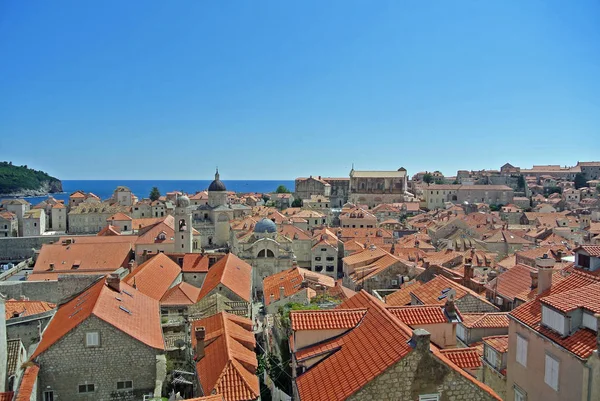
382 285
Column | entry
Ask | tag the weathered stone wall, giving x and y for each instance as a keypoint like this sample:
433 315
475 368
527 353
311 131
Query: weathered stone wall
472 304
34 290
495 380
417 374
195 279
19 248
28 328
69 363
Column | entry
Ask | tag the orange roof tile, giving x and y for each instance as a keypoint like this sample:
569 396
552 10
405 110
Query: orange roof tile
142 322
229 364
6 396
155 276
368 255
512 282
593 250
326 320
195 263
109 230
429 292
499 343
586 297
233 273
27 383
465 358
360 274
581 343
402 296
419 314
182 294
15 308
120 217
485 320
291 280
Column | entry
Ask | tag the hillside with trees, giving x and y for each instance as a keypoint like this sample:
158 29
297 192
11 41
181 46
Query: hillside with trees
23 181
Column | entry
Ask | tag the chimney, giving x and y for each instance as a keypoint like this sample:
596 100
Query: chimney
130 265
534 279
114 282
420 340
468 270
200 334
281 292
545 267
450 308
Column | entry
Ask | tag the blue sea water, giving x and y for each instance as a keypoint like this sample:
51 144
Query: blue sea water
141 188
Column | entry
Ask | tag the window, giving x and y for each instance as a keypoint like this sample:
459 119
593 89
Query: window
429 397
522 350
92 339
490 355
330 268
323 249
583 260
317 258
318 268
86 388
553 320
461 332
330 258
551 372
125 385
49 395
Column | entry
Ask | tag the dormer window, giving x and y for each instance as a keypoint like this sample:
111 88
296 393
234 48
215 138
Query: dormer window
162 236
553 320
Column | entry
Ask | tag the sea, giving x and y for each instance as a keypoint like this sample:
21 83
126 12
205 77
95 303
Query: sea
141 188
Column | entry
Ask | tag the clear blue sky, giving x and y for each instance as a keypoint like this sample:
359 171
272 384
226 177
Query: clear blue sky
280 89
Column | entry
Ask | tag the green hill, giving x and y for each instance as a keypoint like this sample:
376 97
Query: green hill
21 180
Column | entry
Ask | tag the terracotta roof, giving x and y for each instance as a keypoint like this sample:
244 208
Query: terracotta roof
485 320
326 320
155 276
6 396
120 217
499 343
429 292
13 351
465 358
216 397
109 230
97 256
365 256
291 280
233 273
593 250
16 308
586 297
512 282
28 382
150 234
581 343
229 364
195 263
402 296
182 294
293 232
360 274
419 314
128 310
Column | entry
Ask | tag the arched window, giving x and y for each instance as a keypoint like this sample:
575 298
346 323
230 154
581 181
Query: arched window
266 253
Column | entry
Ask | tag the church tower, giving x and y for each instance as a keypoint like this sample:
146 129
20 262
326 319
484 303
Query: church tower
217 193
183 225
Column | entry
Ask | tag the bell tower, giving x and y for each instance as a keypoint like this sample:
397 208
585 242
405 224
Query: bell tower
183 225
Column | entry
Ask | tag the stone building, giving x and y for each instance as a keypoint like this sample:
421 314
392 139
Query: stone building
89 217
123 196
311 186
266 250
9 224
59 217
591 170
495 359
34 223
19 207
357 218
336 346
26 320
87 350
374 187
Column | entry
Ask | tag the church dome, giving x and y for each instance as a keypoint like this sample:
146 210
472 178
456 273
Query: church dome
217 185
265 226
183 201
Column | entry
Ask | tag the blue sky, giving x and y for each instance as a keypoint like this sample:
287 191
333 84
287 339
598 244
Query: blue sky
280 89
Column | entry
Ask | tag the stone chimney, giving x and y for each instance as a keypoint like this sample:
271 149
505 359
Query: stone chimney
130 265
200 334
534 279
468 270
114 282
281 292
450 308
420 340
545 267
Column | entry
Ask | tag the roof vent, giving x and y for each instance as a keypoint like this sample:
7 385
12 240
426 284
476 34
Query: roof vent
124 309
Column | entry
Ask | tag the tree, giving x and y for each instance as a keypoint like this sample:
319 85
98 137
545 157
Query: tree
282 190
297 202
154 194
580 181
428 178
521 182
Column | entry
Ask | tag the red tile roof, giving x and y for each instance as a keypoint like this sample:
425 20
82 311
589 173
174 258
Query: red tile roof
465 358
229 364
429 292
142 322
6 396
419 314
195 263
27 383
16 308
499 343
181 295
360 274
586 297
233 273
485 320
581 343
512 282
120 216
326 320
155 276
291 280
593 250
402 296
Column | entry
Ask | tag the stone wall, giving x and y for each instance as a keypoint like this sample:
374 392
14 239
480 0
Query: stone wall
472 304
34 290
420 373
494 379
19 248
69 363
28 328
